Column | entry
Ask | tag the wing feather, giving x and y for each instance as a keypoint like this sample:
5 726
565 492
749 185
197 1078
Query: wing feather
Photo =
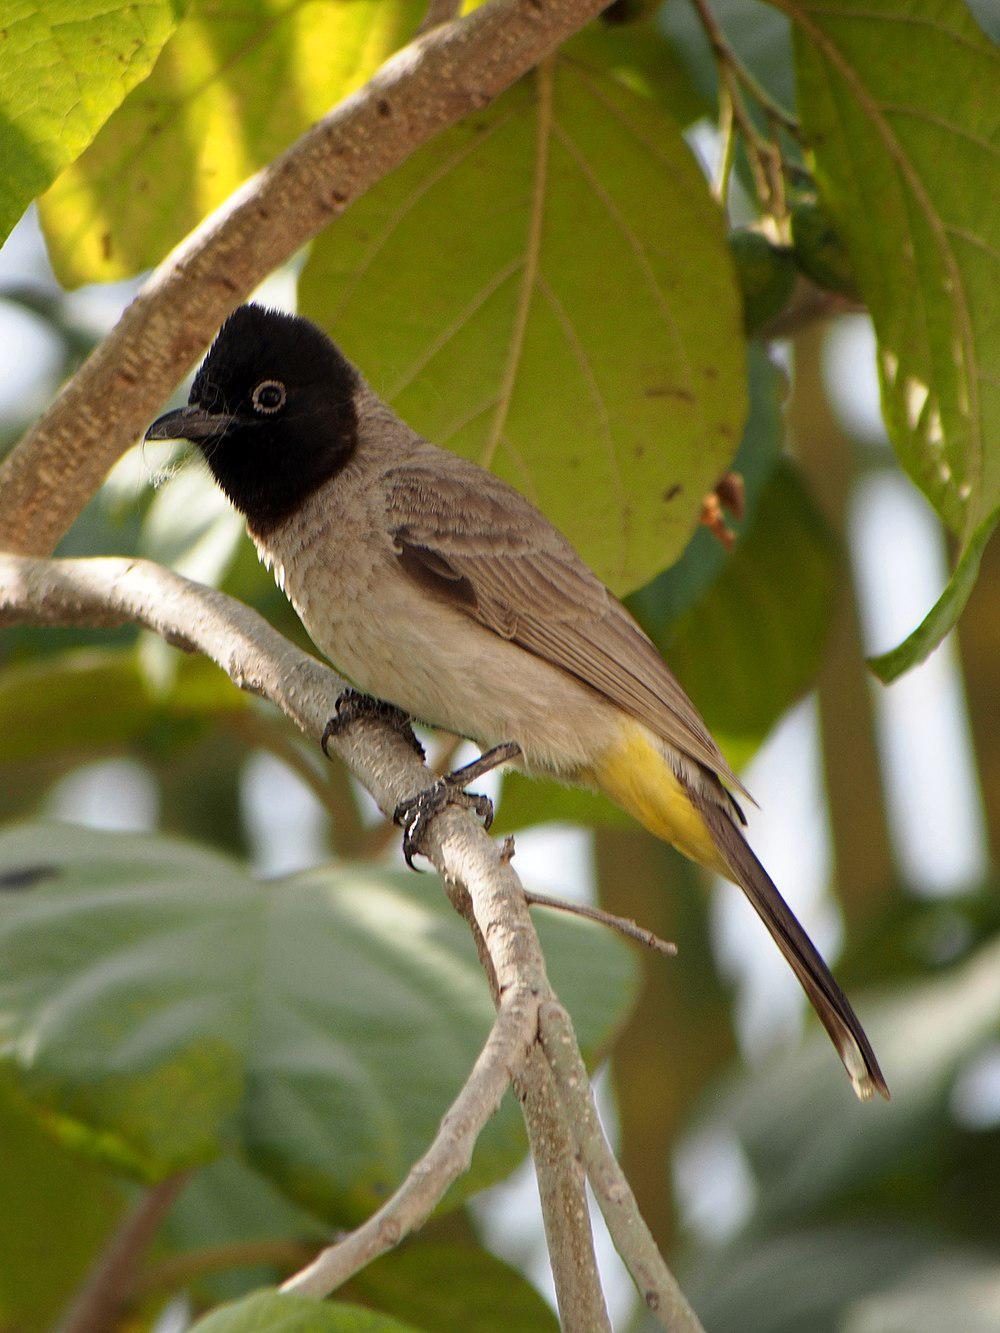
480 545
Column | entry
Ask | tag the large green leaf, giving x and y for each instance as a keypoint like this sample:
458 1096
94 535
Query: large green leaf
905 150
453 1287
531 288
65 65
234 86
272 1312
158 1005
688 579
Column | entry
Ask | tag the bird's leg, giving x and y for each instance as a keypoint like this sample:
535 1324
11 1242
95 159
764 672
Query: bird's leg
415 814
352 704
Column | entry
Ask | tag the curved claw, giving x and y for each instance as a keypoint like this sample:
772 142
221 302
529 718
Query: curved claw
352 704
415 814
484 809
330 730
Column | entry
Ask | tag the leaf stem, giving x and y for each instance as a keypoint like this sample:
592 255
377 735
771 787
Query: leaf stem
98 1303
764 155
727 136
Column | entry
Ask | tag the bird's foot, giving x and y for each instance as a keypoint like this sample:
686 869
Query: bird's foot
414 815
352 704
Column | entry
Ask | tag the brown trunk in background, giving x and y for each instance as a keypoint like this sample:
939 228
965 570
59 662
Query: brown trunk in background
680 1033
863 864
979 642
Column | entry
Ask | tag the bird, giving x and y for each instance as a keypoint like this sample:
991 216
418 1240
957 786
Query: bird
444 596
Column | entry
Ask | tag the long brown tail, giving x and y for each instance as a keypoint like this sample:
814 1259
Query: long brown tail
824 994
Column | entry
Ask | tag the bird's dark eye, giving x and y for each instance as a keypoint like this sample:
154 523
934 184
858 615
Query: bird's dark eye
268 397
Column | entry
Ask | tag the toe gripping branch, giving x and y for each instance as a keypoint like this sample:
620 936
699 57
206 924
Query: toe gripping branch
415 814
352 704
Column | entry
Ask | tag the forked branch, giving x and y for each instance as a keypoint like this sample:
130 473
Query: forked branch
111 591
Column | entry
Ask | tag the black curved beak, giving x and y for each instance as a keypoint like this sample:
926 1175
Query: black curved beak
188 423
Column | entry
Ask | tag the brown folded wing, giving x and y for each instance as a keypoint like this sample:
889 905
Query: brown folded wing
466 536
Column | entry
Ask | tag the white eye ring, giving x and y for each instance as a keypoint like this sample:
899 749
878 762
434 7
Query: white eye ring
268 408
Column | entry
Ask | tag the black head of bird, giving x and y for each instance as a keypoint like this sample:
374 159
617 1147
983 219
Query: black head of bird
273 411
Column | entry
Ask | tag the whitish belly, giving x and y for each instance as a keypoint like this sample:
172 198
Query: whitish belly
442 668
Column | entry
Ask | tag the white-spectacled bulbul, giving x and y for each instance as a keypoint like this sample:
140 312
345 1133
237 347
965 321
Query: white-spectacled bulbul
436 587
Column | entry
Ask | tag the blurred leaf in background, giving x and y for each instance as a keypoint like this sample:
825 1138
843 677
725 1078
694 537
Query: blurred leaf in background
321 1026
232 88
272 1312
558 337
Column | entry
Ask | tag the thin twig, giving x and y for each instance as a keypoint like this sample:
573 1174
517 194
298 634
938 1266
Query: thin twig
631 1236
726 56
624 925
764 155
107 1288
727 138
506 1049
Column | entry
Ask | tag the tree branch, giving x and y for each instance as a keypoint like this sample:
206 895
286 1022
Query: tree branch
631 1236
435 81
559 1176
563 1197
110 591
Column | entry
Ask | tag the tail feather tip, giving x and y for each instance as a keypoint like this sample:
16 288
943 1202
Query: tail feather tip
866 1078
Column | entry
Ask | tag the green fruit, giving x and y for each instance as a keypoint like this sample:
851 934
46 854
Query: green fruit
819 251
766 275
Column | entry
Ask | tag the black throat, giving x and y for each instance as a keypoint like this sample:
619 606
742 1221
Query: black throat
269 471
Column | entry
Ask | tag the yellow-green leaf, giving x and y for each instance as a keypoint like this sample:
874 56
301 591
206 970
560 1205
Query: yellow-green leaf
546 289
234 86
906 151
65 65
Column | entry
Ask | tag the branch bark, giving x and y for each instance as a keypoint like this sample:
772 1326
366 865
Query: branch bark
631 1236
110 591
435 81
